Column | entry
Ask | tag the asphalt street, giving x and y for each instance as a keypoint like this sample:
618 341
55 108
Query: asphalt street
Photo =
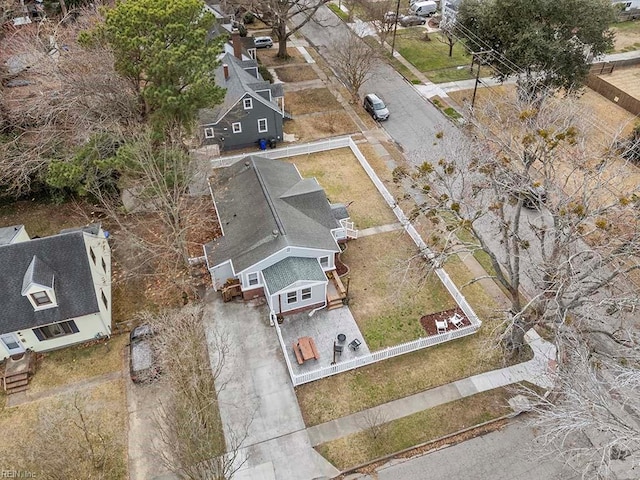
507 454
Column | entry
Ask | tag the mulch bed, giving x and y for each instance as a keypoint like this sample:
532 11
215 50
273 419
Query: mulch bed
428 322
341 268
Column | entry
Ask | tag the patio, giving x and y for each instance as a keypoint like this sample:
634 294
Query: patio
324 327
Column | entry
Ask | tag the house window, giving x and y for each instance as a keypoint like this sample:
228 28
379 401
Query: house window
292 297
93 255
324 262
306 293
104 300
104 266
237 127
208 132
247 103
56 330
41 298
253 279
262 125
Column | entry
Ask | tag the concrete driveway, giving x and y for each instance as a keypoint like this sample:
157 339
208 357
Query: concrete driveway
143 403
256 398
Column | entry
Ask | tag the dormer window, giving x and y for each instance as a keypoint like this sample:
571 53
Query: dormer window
41 298
38 285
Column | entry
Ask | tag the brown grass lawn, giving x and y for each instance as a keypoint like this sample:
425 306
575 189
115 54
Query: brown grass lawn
268 58
42 218
323 125
296 73
417 428
387 295
344 180
401 376
25 444
69 365
311 101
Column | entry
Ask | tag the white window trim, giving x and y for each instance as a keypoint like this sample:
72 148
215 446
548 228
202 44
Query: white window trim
266 126
249 279
236 127
209 132
292 299
327 261
247 103
305 295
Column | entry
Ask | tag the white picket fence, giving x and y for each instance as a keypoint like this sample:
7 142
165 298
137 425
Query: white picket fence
288 151
389 352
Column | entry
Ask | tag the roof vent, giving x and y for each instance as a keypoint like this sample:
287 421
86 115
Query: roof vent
247 163
275 232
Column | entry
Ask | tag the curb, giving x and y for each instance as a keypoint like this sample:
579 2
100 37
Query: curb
391 456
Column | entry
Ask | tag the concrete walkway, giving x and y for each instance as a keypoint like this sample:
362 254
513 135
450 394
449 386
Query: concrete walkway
537 371
392 227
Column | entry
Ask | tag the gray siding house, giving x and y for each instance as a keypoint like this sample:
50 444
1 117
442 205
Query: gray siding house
279 237
252 109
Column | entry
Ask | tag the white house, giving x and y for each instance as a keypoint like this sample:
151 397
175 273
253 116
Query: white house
279 234
55 291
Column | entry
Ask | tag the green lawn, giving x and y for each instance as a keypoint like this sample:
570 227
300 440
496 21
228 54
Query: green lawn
429 55
335 9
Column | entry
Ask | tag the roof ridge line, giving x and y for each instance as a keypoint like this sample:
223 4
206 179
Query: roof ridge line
267 196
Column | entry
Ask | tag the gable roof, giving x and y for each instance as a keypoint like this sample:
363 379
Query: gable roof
239 84
264 206
291 270
7 234
61 256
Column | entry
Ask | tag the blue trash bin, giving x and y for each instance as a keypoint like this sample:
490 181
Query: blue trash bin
262 144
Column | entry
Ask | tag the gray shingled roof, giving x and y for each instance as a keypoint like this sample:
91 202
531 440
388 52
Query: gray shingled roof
264 206
38 273
65 255
291 270
7 233
239 83
339 211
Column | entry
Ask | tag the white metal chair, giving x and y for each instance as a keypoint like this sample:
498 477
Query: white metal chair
456 320
441 326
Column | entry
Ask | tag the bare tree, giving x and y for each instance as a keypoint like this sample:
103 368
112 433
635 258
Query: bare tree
74 432
591 417
446 36
573 244
375 424
63 95
354 61
191 432
376 13
278 14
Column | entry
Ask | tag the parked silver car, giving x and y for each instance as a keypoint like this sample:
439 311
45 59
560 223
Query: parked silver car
376 107
263 42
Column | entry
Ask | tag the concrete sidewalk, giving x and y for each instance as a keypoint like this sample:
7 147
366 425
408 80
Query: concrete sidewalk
538 371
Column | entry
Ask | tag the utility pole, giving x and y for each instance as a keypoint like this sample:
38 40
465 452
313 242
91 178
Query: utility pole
395 27
479 62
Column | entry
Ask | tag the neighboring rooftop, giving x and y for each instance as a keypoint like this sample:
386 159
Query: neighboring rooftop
7 234
64 256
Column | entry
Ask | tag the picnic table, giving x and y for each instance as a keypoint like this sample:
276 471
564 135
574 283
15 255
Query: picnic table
305 349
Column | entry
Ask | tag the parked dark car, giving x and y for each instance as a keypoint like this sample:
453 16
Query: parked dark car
376 107
263 42
143 364
412 20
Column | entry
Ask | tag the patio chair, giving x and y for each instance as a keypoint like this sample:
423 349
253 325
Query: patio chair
456 320
355 344
441 326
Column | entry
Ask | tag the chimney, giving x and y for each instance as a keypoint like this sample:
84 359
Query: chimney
225 69
237 46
